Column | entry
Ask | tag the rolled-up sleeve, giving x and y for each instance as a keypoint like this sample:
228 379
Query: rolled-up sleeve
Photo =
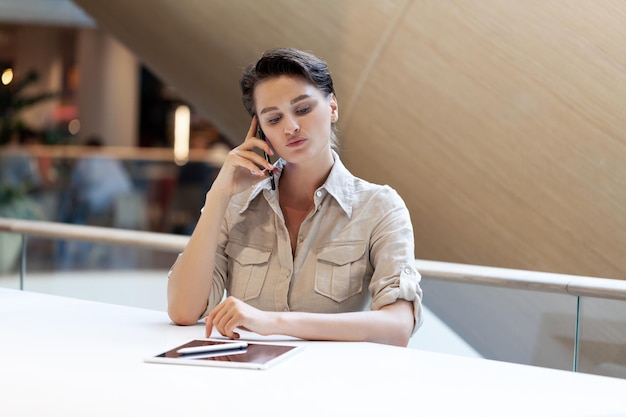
392 255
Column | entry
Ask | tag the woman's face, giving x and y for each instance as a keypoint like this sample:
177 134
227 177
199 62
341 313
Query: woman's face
296 117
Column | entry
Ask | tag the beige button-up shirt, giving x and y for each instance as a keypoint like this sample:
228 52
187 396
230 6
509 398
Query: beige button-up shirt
354 251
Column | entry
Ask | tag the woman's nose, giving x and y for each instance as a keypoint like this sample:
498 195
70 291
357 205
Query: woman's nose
291 126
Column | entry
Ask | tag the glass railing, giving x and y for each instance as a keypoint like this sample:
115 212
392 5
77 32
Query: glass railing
118 266
550 320
534 318
602 346
508 324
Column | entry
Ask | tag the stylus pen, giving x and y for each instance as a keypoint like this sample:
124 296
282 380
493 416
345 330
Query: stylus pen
213 348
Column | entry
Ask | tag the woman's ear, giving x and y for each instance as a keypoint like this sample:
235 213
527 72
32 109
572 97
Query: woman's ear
334 109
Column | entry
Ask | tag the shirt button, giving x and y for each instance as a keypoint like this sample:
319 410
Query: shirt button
318 193
408 271
300 238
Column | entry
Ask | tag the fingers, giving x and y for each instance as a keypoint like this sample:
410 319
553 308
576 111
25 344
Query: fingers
225 317
254 125
208 329
244 157
252 133
244 165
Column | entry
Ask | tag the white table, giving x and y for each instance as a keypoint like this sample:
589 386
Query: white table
68 357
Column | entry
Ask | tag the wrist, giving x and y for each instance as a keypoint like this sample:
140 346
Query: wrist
280 322
215 195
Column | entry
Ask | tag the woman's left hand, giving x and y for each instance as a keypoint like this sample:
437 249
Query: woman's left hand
233 313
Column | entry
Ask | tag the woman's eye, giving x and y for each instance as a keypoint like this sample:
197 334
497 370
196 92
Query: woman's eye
303 110
273 120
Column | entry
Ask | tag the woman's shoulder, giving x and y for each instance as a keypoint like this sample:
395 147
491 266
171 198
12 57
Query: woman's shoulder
383 194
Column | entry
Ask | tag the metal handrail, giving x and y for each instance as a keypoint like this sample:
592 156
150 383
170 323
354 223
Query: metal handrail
97 234
576 285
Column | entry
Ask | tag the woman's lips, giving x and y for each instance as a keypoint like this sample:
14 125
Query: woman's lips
296 142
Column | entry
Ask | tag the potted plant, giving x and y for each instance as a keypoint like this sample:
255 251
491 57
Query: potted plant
13 100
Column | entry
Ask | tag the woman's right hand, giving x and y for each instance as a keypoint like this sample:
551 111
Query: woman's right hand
241 167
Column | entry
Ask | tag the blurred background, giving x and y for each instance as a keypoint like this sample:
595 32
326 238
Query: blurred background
87 136
500 122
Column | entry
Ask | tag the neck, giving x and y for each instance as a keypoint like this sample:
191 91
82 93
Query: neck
298 182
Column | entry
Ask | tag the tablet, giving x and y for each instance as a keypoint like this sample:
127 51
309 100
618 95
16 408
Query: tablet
233 355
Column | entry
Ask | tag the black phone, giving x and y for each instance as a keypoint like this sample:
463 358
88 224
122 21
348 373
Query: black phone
261 135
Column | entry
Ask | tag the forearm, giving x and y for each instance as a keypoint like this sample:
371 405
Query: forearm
189 284
393 325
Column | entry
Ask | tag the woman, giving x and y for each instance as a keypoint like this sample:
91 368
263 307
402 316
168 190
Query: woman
301 247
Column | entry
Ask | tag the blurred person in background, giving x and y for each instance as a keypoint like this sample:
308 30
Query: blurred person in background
96 182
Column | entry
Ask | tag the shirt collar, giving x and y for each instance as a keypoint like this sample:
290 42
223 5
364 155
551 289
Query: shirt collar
265 184
339 184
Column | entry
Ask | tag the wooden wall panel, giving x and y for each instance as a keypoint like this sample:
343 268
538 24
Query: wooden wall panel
511 130
501 122
201 46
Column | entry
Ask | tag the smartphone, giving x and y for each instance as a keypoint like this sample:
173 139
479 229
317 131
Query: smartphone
261 135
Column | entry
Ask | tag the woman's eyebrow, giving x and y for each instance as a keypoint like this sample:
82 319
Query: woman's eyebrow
300 98
268 109
292 102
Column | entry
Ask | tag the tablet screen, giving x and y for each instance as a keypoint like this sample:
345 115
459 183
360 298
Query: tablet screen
254 355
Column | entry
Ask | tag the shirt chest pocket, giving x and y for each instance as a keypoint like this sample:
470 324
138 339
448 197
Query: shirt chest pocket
247 269
340 270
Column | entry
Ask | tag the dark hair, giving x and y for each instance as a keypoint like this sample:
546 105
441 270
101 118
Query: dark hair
284 61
